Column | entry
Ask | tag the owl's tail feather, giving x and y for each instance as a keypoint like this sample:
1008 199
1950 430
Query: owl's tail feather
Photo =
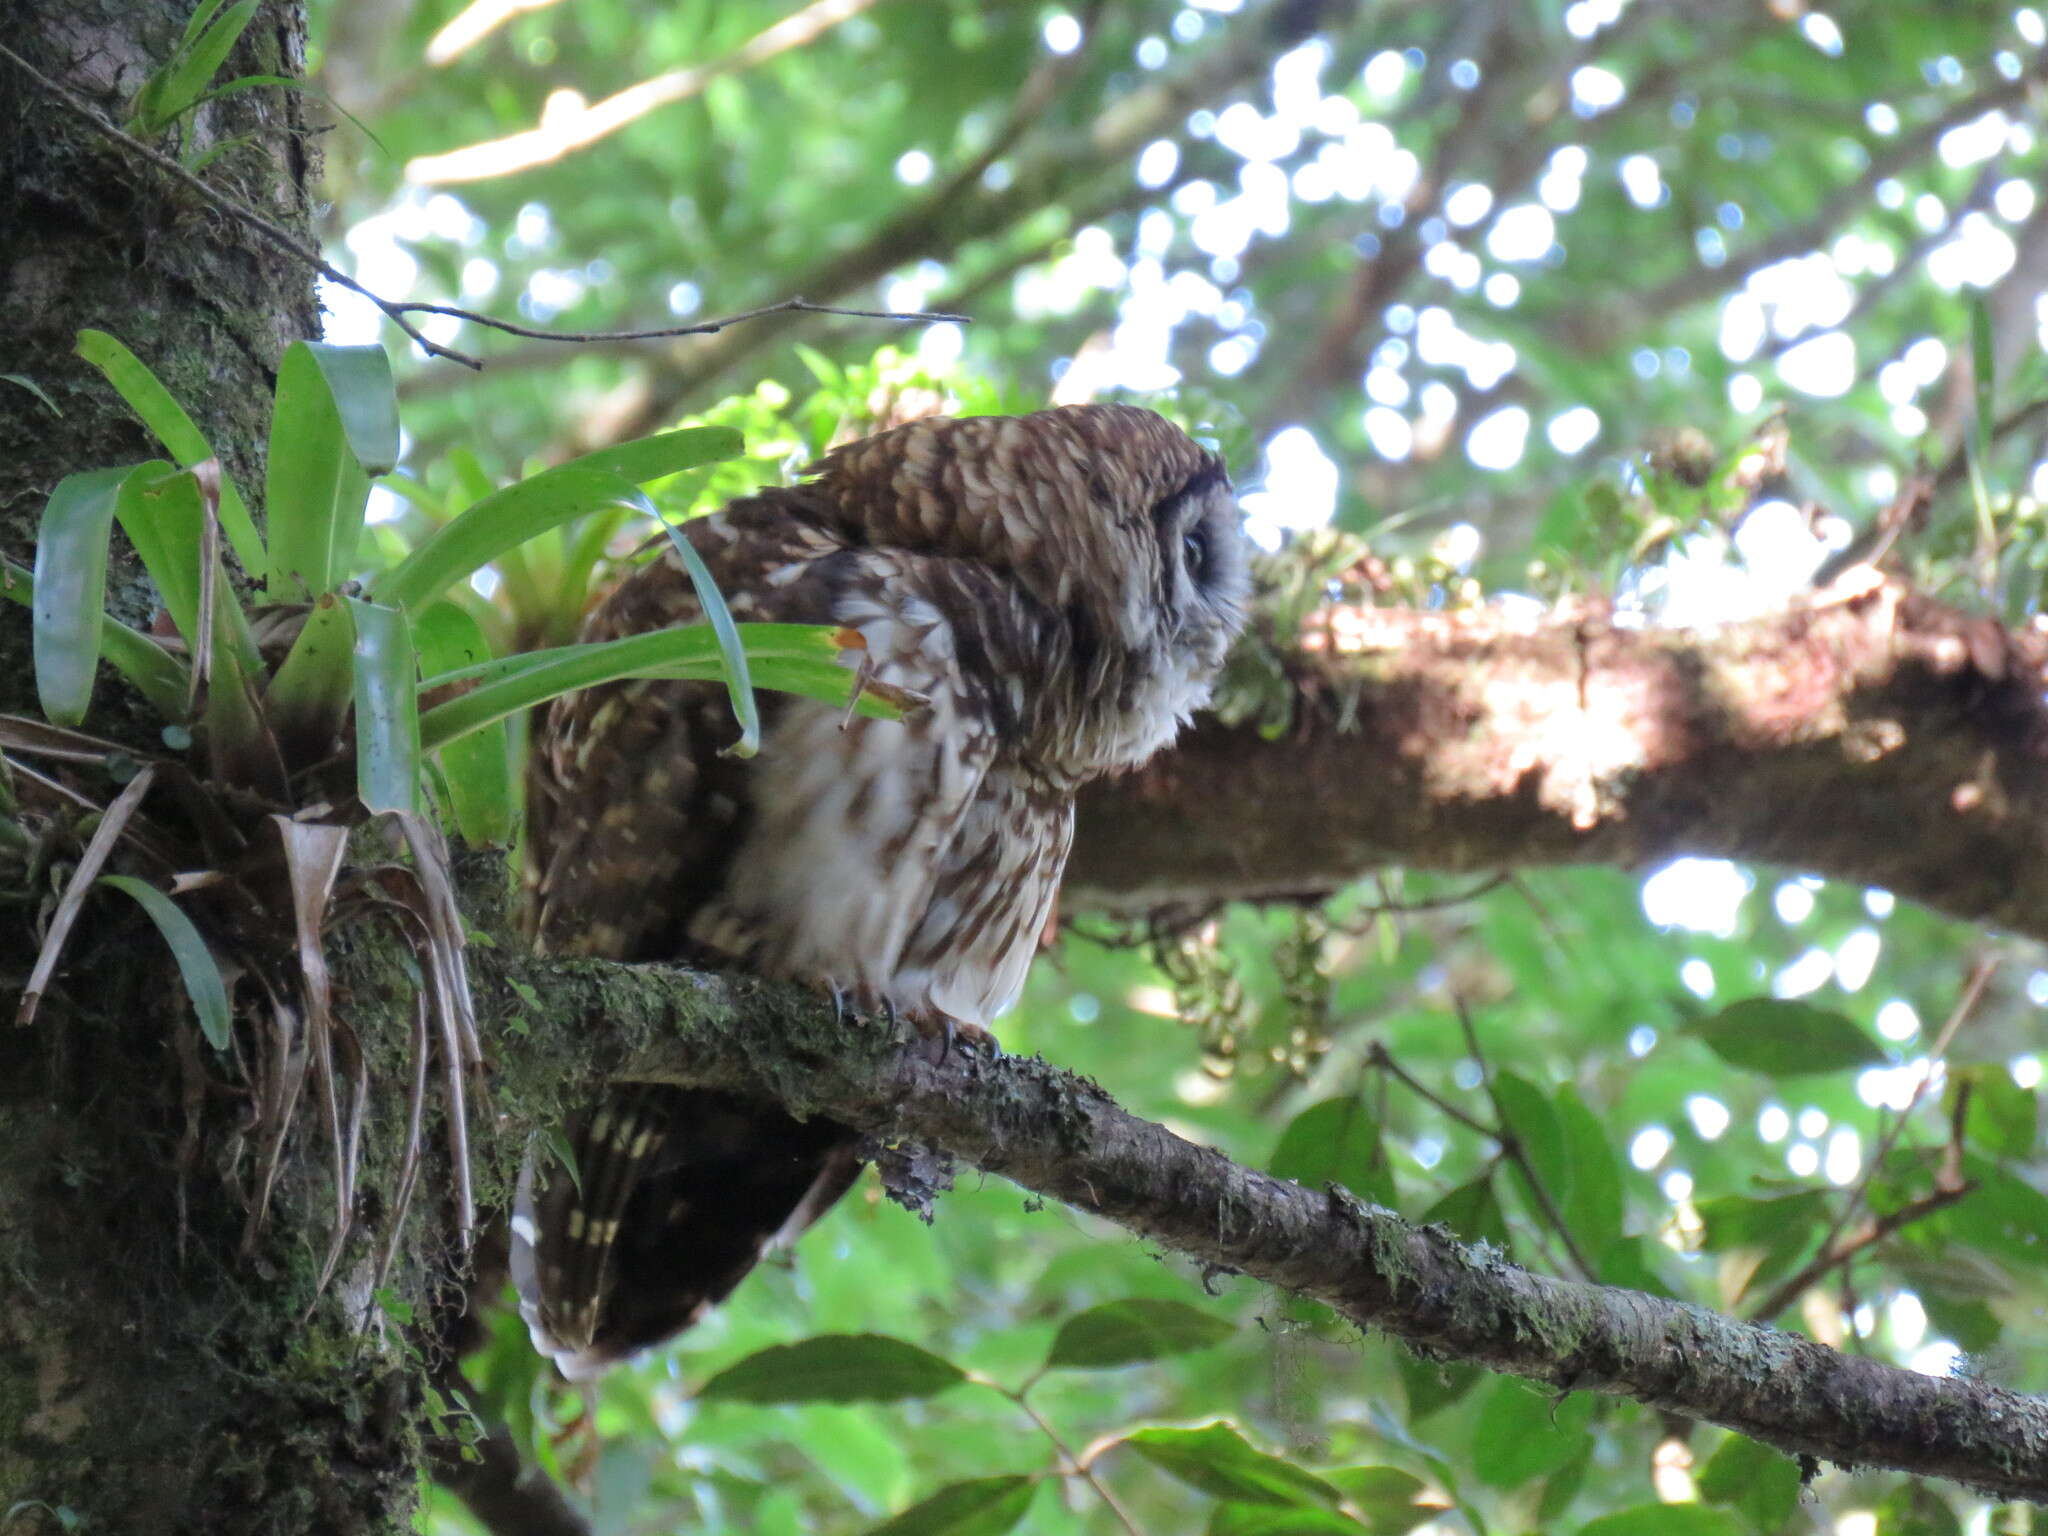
673 1196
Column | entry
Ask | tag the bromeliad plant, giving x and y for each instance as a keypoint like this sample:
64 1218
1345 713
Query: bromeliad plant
315 702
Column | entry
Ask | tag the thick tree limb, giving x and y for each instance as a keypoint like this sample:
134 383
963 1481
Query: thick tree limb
1870 734
1062 1136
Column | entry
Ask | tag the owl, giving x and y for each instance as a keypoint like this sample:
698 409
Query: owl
1062 588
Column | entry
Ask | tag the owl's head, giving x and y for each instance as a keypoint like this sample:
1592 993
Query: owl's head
1112 520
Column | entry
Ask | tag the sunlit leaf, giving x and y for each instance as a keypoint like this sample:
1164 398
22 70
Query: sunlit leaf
334 424
835 1368
502 521
196 965
1218 1460
1123 1332
1271 1520
173 89
647 459
2002 1118
1778 1038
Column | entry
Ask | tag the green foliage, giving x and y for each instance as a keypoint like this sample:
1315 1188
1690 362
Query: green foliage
1780 1039
835 1368
179 84
1692 1109
1125 1332
196 966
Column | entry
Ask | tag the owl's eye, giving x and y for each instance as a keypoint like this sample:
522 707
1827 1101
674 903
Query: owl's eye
1195 549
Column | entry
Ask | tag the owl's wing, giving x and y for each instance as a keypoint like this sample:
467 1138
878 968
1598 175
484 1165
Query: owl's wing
810 861
633 813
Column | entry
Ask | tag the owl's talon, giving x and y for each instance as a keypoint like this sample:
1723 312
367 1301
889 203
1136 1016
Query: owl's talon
947 1032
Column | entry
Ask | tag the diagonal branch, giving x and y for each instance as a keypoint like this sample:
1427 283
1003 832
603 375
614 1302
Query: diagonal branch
1063 1137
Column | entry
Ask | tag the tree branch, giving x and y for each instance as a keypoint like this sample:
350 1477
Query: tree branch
1868 734
1063 1137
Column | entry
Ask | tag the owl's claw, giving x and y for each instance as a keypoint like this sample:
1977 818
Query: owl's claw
838 1001
947 1032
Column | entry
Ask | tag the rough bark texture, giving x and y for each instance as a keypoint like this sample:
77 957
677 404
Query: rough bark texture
1868 735
1062 1136
152 1378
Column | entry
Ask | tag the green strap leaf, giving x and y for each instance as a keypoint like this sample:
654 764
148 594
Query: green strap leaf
71 589
157 675
308 698
175 88
502 521
788 657
690 645
731 650
196 966
666 453
835 1368
476 766
164 515
148 399
388 756
334 425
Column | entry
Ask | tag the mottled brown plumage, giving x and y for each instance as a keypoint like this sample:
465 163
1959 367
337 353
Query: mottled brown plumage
1062 587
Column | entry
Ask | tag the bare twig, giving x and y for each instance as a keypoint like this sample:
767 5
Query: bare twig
664 332
1082 1466
307 255
1835 1249
1511 1145
1841 1249
1377 1057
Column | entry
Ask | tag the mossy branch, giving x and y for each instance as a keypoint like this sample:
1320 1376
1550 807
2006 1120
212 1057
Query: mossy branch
1062 1136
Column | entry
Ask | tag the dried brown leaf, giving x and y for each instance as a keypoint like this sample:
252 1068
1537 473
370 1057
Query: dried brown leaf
69 904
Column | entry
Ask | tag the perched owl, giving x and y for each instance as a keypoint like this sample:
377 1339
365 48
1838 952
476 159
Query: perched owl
1062 588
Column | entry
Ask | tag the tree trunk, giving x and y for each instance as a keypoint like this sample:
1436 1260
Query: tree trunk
153 1375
